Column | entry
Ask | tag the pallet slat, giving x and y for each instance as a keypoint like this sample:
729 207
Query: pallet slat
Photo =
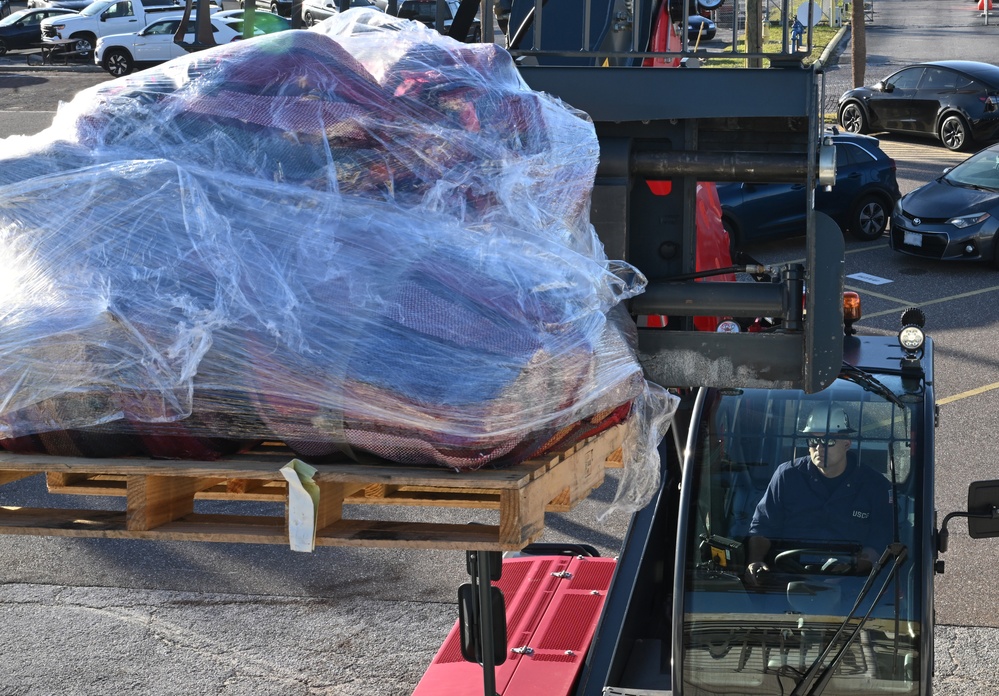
160 497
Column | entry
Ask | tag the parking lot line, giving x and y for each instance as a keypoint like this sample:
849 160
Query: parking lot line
921 303
966 394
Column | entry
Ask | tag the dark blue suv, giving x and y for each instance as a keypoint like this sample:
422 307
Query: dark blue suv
861 202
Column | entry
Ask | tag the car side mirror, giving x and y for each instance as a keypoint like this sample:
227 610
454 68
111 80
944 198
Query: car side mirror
889 88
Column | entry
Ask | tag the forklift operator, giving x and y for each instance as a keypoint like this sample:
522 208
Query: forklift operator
824 497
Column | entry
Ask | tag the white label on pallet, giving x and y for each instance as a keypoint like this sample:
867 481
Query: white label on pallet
303 505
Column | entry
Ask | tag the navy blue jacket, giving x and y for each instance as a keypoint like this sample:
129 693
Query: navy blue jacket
795 506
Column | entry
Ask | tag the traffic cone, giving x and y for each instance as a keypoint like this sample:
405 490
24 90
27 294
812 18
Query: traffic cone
984 6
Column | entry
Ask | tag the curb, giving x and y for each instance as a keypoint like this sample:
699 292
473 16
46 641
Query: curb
830 54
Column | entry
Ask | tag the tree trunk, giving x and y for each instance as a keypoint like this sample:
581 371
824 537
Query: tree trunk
754 31
858 42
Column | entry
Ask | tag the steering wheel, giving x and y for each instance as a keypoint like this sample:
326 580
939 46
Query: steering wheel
789 561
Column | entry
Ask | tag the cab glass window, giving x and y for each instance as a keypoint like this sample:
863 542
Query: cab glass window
762 634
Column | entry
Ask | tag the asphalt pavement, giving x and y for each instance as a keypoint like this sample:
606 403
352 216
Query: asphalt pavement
100 616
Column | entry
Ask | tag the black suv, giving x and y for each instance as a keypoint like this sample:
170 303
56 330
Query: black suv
956 101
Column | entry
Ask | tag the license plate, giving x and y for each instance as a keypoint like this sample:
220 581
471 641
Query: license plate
913 239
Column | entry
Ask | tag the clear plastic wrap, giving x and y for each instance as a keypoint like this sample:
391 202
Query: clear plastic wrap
366 239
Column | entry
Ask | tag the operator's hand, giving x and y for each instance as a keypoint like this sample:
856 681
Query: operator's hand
754 571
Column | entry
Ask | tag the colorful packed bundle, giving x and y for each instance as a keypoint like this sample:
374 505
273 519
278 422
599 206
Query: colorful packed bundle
366 240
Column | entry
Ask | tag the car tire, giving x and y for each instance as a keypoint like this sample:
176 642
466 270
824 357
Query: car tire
118 62
954 133
734 239
3 48
869 218
85 43
308 20
853 118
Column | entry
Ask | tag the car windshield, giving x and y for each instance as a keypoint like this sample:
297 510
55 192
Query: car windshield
762 636
981 170
96 8
11 19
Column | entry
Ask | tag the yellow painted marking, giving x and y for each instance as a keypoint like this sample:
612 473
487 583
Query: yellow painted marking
970 392
871 293
867 247
924 303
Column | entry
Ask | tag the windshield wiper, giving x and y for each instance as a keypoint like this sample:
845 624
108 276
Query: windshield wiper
899 552
976 187
869 383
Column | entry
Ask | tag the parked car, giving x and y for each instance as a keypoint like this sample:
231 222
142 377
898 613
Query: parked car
953 217
425 11
278 7
956 101
699 24
105 18
315 11
75 5
23 29
861 201
263 22
120 54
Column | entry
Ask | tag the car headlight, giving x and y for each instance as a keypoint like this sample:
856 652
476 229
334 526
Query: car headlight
968 220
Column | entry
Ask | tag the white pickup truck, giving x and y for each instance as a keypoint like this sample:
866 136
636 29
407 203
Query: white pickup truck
103 18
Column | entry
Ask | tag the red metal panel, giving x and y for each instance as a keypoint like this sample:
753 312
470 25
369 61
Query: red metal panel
564 634
552 607
528 585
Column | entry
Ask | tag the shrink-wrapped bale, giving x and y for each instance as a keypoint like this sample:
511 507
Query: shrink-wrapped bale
367 240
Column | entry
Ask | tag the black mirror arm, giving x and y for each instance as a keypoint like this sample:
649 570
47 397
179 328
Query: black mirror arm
943 535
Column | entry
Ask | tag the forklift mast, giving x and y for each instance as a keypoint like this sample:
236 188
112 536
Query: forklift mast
687 125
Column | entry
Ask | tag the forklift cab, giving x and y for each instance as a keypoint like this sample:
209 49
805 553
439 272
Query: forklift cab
743 635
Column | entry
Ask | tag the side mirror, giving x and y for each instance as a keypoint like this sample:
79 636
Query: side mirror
982 515
887 87
983 509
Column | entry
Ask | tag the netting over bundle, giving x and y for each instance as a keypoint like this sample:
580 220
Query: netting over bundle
365 239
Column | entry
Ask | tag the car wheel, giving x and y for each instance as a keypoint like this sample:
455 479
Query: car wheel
118 62
734 241
308 20
954 133
84 43
869 219
274 8
853 119
3 47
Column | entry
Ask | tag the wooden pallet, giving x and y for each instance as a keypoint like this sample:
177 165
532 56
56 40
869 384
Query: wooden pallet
160 496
